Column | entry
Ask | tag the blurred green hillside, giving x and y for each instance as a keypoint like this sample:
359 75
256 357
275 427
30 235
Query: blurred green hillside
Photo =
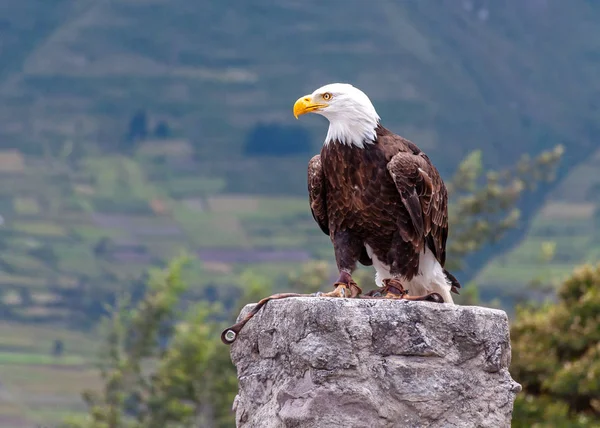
133 129
505 77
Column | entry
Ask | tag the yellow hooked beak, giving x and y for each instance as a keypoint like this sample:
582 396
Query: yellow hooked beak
305 104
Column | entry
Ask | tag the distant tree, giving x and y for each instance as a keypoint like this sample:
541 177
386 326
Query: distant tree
58 348
139 287
103 247
138 127
310 278
482 208
556 356
5 309
162 130
25 296
89 301
277 140
188 383
46 254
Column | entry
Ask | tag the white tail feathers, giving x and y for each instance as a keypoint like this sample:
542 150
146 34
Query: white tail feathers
431 277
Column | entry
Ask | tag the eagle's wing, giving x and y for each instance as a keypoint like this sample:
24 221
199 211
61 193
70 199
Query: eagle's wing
316 193
425 197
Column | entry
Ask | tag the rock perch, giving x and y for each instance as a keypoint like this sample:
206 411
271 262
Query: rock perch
330 362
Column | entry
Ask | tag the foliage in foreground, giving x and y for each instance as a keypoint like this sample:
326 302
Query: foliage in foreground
160 368
556 356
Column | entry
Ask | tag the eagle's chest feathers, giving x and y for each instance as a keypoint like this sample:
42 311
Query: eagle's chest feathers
361 195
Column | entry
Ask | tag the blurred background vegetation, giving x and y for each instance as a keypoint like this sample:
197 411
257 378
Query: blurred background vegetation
131 130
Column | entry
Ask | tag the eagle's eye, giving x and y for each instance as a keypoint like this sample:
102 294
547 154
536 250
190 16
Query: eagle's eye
327 96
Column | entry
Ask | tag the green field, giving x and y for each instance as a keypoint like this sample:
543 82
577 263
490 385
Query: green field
37 387
101 223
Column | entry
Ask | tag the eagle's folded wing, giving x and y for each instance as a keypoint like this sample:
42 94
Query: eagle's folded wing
425 197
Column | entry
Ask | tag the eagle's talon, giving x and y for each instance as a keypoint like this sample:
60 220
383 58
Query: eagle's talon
340 291
434 297
343 290
392 289
431 297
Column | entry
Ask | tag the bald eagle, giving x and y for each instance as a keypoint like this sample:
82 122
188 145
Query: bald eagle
380 200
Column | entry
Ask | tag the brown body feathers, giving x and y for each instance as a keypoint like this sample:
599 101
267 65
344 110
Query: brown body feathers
386 195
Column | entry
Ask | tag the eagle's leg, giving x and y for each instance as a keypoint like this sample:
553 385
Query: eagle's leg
347 250
344 287
393 289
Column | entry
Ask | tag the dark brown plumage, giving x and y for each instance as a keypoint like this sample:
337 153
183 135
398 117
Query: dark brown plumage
386 195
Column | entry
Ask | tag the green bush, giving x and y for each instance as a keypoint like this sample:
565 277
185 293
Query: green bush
556 356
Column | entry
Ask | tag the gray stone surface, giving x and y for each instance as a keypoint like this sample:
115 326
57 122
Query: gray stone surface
325 362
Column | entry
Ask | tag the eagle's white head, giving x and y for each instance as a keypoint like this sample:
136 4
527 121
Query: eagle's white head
352 117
